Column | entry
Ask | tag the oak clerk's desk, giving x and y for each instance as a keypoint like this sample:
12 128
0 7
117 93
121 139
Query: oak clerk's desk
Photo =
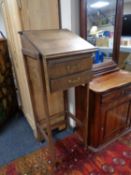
55 60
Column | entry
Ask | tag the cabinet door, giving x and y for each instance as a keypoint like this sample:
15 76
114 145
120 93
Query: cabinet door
115 119
39 14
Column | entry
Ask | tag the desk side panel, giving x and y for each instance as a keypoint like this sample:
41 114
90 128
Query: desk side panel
55 100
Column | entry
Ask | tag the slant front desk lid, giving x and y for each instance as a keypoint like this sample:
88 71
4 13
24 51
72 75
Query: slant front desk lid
56 43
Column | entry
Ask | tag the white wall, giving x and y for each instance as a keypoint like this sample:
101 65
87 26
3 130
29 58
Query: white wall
2 28
66 14
75 8
70 15
70 20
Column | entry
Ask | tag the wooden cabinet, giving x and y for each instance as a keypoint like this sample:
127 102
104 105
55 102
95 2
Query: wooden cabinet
8 100
110 106
55 61
25 14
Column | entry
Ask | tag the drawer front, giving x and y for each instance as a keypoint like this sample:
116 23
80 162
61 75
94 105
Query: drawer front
70 81
59 69
116 94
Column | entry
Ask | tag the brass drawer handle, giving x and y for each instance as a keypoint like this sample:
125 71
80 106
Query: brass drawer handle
68 68
74 81
71 68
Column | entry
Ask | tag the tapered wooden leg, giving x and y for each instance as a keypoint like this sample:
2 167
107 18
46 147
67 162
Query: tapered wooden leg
66 107
51 145
82 103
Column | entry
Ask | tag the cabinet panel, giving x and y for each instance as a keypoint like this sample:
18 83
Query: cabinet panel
115 119
55 100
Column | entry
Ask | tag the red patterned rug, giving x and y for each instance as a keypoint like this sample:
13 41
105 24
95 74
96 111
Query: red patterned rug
75 160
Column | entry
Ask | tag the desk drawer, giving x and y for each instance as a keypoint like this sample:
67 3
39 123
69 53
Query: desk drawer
70 81
63 67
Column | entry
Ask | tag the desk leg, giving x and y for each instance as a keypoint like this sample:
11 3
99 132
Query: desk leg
51 145
81 104
66 107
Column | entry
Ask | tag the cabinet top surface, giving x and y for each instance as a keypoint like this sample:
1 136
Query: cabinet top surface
52 43
110 81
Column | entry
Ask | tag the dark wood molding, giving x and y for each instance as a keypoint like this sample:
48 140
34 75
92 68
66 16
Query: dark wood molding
59 8
113 64
82 108
104 68
83 18
118 30
95 150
